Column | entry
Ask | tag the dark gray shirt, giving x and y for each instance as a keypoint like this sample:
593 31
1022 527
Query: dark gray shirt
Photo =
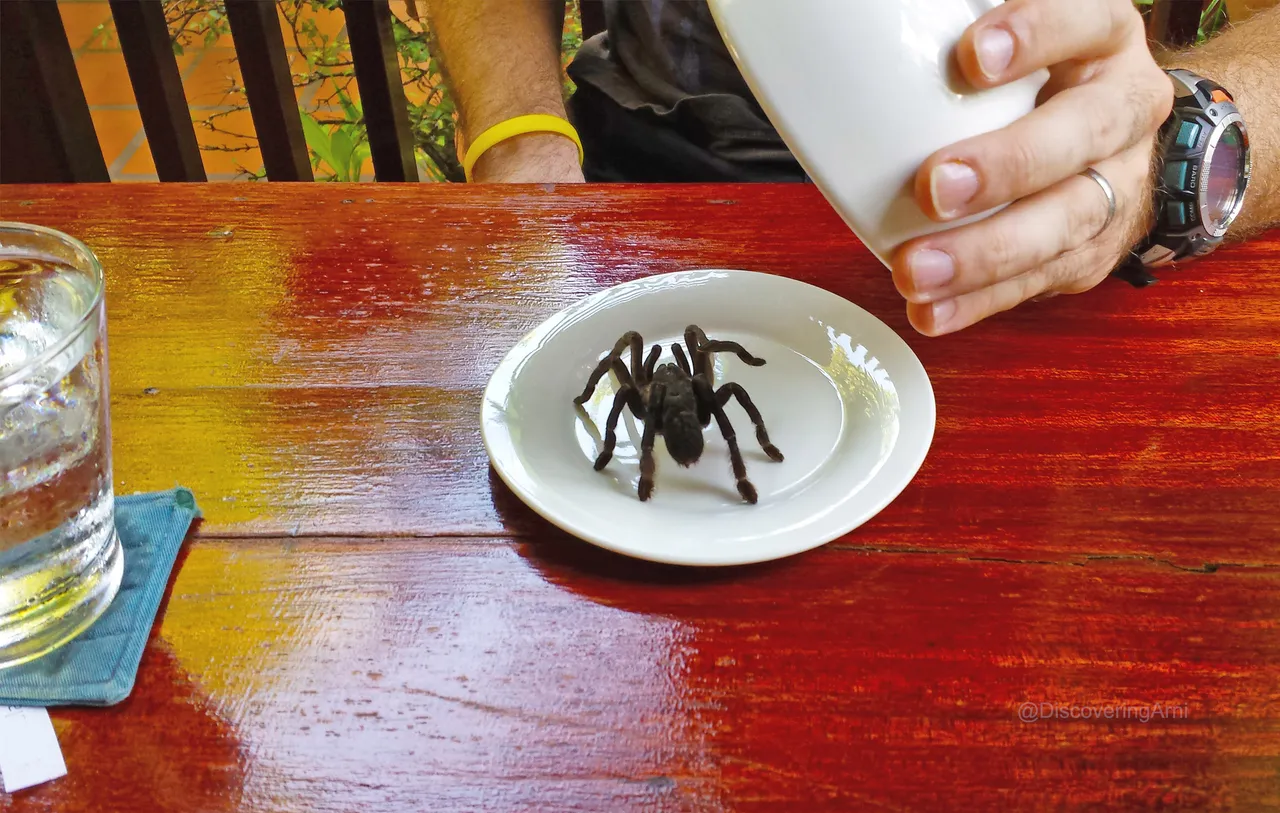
665 64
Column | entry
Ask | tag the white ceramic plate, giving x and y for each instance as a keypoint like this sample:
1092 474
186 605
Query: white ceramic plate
842 395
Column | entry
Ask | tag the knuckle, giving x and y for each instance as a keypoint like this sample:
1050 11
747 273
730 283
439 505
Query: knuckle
1053 277
984 257
1110 128
1118 18
1125 16
1019 158
1024 288
1138 104
1085 269
1085 219
1083 275
1160 99
1079 285
1027 22
1103 19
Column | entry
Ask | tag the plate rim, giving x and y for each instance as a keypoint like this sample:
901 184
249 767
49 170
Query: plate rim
516 353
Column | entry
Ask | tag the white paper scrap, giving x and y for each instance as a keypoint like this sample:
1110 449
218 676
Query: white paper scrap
29 750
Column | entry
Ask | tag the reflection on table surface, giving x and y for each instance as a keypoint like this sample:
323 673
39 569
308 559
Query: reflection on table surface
366 619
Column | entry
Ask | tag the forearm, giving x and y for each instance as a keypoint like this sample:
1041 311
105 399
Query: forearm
1245 60
502 59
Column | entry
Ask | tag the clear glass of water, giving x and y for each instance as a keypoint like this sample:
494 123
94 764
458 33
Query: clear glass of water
60 559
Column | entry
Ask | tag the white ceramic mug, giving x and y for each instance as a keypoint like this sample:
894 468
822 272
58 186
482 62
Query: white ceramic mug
862 92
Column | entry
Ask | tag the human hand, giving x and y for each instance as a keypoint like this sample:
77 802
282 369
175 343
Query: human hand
530 158
1101 107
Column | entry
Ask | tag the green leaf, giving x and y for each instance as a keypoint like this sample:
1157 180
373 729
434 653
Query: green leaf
318 140
354 114
358 157
342 150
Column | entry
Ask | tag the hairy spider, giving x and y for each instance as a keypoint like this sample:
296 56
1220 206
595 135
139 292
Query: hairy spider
678 402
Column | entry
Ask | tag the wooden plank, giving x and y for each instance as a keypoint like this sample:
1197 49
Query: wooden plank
45 125
382 98
259 43
157 85
318 373
495 674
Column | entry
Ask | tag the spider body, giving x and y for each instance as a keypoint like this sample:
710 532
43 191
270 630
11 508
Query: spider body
679 422
677 401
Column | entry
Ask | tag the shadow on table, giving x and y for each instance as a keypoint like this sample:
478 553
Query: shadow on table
602 575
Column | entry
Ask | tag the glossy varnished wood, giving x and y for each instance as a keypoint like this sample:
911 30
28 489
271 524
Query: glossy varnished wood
366 619
499 675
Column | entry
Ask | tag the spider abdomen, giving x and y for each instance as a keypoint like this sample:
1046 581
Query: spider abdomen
681 429
683 434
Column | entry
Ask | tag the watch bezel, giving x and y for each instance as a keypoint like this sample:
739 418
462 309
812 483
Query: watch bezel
1242 182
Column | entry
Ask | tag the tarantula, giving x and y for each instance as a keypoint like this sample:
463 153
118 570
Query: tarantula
678 402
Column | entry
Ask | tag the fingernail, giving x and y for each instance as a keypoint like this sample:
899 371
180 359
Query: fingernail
942 312
952 185
931 268
995 51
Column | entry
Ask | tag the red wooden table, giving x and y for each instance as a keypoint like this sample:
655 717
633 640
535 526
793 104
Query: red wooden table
367 620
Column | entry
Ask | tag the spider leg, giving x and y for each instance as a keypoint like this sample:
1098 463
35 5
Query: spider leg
704 404
698 342
637 352
631 338
694 338
626 395
681 359
731 390
624 375
745 488
651 362
735 348
654 415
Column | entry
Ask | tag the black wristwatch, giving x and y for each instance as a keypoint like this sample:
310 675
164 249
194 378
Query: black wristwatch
1203 151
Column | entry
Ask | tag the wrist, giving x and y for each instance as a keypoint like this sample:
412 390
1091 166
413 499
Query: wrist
529 158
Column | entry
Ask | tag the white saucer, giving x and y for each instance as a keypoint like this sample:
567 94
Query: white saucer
842 396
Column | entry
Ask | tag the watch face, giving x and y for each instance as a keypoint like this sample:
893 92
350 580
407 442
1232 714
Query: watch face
1224 176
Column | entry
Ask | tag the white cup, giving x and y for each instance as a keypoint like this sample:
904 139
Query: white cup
862 92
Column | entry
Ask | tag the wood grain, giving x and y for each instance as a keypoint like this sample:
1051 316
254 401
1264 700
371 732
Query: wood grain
367 619
311 362
510 675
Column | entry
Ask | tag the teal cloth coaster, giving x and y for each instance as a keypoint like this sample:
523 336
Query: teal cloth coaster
98 667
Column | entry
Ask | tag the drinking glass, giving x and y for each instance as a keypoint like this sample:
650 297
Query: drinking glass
60 559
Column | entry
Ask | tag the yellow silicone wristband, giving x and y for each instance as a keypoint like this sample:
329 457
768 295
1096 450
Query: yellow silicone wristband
532 123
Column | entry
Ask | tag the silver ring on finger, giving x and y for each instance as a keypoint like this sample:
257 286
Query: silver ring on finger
1090 172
